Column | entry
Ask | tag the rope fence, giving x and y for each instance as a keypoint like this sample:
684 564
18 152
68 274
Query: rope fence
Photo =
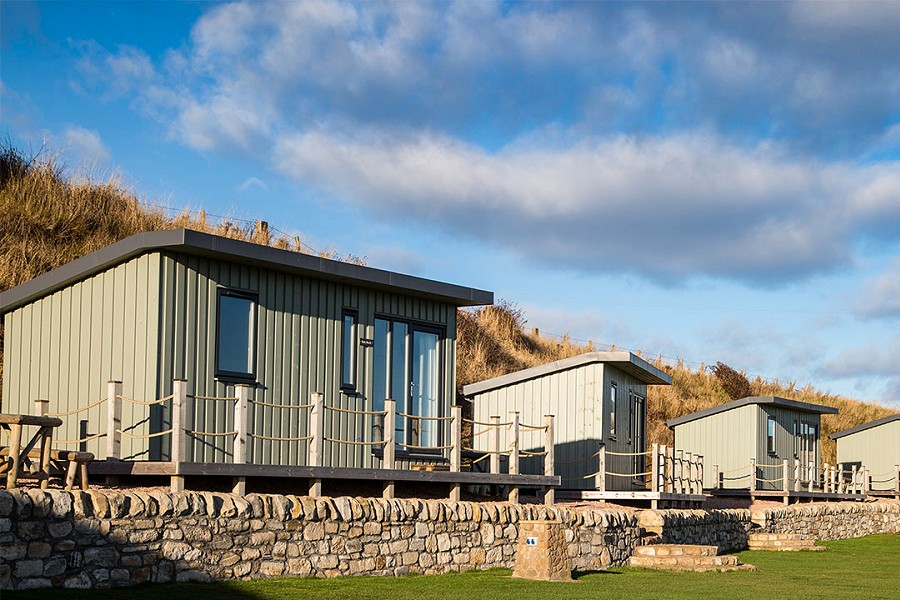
142 402
77 410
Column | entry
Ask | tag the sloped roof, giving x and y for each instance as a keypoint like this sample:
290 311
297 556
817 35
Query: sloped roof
775 400
625 361
864 426
213 246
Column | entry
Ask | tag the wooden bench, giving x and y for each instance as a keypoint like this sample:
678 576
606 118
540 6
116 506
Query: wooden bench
69 462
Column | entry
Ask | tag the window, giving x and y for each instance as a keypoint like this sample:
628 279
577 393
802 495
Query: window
770 435
348 351
236 335
613 390
408 367
796 439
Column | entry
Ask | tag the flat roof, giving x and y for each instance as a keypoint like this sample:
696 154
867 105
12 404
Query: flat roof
776 400
626 361
214 246
864 426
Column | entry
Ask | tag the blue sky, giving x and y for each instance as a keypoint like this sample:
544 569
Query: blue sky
709 181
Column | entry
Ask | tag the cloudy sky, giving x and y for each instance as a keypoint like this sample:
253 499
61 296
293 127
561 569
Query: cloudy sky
709 181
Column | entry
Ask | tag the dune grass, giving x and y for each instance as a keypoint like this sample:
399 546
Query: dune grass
865 568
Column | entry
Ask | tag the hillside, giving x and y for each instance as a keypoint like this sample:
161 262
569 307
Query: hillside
48 218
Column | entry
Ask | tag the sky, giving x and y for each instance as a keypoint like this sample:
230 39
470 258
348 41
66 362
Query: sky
704 181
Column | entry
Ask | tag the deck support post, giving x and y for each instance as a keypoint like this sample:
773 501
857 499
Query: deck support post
716 478
812 476
689 487
752 475
113 425
796 475
42 407
654 468
317 443
854 489
15 458
700 474
785 479
867 481
670 469
179 416
456 449
239 452
494 443
679 472
826 480
513 496
897 479
389 448
549 459
601 468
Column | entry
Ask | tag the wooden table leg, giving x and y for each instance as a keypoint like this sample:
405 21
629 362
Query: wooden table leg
46 434
84 476
15 446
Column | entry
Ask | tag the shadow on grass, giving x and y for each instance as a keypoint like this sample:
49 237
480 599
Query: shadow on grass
576 575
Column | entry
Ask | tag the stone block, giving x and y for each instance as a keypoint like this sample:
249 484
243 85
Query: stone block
541 552
28 568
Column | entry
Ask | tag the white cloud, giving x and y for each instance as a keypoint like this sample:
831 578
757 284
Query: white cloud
251 183
85 145
880 296
873 359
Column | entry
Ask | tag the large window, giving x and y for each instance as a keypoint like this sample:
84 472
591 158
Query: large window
770 435
236 335
613 392
348 351
407 369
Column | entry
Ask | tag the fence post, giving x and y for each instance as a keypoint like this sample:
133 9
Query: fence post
113 420
178 449
670 469
549 460
317 443
700 474
897 479
784 476
514 457
601 468
796 475
812 476
456 449
239 453
389 448
654 468
662 468
752 474
494 444
41 407
678 472
867 481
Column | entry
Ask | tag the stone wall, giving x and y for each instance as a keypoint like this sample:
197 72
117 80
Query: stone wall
104 539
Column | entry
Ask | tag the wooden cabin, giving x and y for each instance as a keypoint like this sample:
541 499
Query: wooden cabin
599 403
875 448
171 328
746 443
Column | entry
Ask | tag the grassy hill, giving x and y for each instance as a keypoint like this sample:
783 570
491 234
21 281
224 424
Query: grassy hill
48 218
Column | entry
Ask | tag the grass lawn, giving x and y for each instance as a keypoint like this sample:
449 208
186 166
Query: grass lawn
862 568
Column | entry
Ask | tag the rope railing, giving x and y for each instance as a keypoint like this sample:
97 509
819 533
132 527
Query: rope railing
533 427
610 453
483 424
747 476
421 418
285 406
614 474
579 460
779 479
143 436
143 402
765 466
415 447
81 440
77 410
270 438
355 443
353 411
582 477
530 453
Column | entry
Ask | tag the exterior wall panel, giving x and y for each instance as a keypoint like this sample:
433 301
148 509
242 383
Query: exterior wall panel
877 449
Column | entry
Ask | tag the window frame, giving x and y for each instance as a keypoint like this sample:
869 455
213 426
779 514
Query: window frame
613 401
225 374
771 429
349 385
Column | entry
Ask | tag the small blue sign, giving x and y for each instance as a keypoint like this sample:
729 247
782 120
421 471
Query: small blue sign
531 541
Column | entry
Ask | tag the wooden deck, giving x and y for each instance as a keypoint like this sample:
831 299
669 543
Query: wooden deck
644 498
785 497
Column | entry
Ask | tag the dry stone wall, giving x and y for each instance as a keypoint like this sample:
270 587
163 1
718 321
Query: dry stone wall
101 539
833 521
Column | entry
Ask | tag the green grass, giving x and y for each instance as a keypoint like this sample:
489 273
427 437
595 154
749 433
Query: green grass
862 568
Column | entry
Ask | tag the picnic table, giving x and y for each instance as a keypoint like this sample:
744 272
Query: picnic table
19 463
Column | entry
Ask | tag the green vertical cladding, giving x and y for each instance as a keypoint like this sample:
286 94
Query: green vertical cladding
298 353
73 341
876 449
579 400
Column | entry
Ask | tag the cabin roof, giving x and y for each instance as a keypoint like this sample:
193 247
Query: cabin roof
775 400
625 361
864 426
213 246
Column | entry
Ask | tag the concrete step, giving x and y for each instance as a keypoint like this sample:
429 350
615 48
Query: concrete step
675 550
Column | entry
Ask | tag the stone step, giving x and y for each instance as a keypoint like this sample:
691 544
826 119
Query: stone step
676 550
776 537
786 546
689 563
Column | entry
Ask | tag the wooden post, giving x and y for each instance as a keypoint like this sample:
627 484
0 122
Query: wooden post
41 407
654 468
785 476
494 444
867 481
317 443
388 456
662 468
15 449
456 450
178 453
670 469
679 472
897 478
514 457
700 474
601 468
796 475
239 452
549 459
752 474
113 420
717 484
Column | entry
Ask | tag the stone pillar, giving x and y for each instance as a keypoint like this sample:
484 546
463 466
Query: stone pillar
542 552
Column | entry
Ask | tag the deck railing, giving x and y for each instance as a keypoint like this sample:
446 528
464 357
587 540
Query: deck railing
832 479
382 431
